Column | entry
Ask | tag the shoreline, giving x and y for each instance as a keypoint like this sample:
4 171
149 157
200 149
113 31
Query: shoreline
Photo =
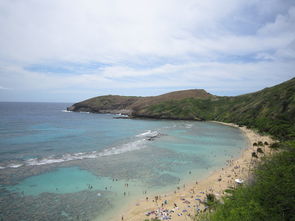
185 201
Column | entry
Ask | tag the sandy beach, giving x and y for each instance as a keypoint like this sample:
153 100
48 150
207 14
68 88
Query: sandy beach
186 200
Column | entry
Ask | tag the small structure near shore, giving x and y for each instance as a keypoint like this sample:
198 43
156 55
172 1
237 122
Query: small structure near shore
239 181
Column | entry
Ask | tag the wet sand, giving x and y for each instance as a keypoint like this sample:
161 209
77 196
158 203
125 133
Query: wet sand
186 200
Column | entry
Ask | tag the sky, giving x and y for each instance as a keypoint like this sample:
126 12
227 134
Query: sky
71 50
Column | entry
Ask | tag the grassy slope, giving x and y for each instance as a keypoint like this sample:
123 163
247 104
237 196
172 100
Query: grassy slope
271 110
271 197
108 102
102 104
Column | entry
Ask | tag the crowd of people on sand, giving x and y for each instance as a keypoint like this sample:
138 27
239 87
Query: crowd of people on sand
164 213
194 204
192 200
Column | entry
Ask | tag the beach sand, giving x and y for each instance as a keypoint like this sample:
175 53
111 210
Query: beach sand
186 200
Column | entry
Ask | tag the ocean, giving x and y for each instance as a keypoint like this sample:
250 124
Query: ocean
61 165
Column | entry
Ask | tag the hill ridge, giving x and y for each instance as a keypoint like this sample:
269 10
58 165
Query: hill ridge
270 110
127 104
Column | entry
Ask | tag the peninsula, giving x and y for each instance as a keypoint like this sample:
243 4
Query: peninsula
270 110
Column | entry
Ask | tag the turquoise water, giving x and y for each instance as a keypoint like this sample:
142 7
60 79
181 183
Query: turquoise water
67 164
63 180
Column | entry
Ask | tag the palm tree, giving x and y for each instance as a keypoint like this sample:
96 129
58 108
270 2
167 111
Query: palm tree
211 202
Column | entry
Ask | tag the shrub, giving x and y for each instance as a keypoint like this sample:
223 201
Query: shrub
211 201
274 145
259 150
270 197
254 155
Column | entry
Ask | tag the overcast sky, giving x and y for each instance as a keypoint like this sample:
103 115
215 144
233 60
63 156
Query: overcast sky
70 50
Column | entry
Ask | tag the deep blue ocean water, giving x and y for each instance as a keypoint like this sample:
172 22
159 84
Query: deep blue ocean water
50 155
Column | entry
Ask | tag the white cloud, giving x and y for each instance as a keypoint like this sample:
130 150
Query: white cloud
147 43
4 88
111 31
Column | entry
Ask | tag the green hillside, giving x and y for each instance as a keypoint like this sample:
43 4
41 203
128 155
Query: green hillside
105 104
130 104
271 193
271 110
269 197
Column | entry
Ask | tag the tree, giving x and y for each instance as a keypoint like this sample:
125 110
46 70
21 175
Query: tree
211 201
254 155
274 146
259 150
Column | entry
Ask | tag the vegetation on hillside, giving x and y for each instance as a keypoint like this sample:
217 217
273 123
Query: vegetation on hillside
271 110
104 103
271 196
116 103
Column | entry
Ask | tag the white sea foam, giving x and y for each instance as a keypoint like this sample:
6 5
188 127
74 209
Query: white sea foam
127 147
63 158
14 165
148 133
44 161
66 111
188 126
137 144
121 115
114 150
131 146
84 112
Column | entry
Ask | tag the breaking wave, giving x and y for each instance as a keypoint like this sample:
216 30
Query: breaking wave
66 111
188 126
149 133
12 166
137 144
83 112
127 147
